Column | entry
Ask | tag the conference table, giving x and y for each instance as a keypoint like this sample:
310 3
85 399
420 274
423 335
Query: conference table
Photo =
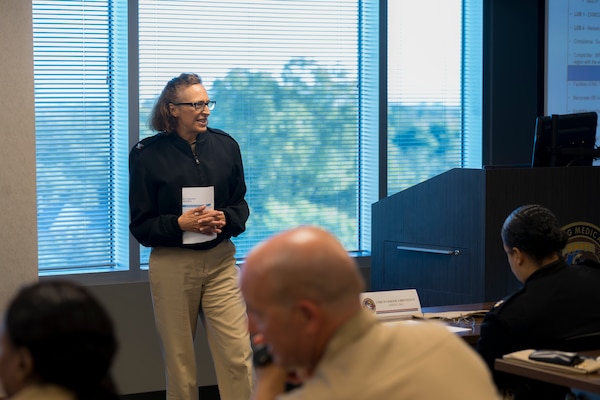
586 382
470 335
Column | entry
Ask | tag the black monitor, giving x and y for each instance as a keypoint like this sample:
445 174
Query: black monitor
565 140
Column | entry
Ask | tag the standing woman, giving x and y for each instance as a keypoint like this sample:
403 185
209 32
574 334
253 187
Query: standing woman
192 263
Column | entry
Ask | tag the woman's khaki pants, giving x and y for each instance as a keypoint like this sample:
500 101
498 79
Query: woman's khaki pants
185 284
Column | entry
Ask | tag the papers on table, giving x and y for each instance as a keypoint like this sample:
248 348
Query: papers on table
192 197
451 328
462 321
451 315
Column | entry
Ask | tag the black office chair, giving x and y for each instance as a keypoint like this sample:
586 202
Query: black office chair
586 341
531 389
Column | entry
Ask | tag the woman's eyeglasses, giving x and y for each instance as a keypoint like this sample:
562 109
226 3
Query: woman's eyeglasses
199 106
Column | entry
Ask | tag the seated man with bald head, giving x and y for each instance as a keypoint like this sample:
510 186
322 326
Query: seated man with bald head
302 294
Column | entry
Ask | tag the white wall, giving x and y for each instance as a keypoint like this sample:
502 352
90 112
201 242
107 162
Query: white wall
18 214
139 366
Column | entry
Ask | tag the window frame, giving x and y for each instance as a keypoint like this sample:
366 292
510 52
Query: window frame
375 116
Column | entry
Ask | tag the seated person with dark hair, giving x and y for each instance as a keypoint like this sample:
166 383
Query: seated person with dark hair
558 301
302 290
56 343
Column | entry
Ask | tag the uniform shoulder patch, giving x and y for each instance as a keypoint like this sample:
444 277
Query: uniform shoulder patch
148 141
220 132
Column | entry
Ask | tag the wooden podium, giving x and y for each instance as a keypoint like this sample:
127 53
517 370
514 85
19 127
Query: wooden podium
442 236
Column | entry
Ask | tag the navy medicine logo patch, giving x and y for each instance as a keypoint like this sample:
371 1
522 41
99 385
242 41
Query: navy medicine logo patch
584 242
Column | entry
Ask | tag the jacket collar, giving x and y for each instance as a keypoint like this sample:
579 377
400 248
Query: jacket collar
547 269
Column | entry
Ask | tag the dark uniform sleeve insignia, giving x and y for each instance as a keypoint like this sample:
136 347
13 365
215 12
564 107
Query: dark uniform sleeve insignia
498 304
147 141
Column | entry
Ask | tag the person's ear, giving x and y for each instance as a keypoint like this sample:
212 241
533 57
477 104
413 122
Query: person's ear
25 362
173 110
22 371
311 315
519 256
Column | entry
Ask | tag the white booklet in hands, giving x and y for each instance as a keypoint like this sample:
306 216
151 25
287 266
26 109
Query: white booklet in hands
192 197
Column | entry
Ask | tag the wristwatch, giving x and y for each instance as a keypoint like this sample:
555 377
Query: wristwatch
262 356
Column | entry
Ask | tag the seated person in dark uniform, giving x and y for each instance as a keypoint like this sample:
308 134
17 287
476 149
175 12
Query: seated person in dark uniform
557 302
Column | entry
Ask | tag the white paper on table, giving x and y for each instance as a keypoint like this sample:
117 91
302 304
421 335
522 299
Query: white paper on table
192 197
451 328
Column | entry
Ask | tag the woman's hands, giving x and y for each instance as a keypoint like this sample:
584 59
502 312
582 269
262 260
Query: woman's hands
202 220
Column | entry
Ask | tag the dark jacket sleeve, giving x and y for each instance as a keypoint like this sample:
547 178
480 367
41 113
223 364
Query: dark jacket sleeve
495 339
236 211
146 224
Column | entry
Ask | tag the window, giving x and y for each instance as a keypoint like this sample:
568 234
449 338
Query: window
434 89
285 78
296 83
74 135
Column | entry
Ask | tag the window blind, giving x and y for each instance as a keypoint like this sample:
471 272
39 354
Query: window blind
284 75
73 120
472 83
433 123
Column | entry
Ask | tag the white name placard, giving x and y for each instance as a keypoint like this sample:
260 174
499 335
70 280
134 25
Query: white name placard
392 304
